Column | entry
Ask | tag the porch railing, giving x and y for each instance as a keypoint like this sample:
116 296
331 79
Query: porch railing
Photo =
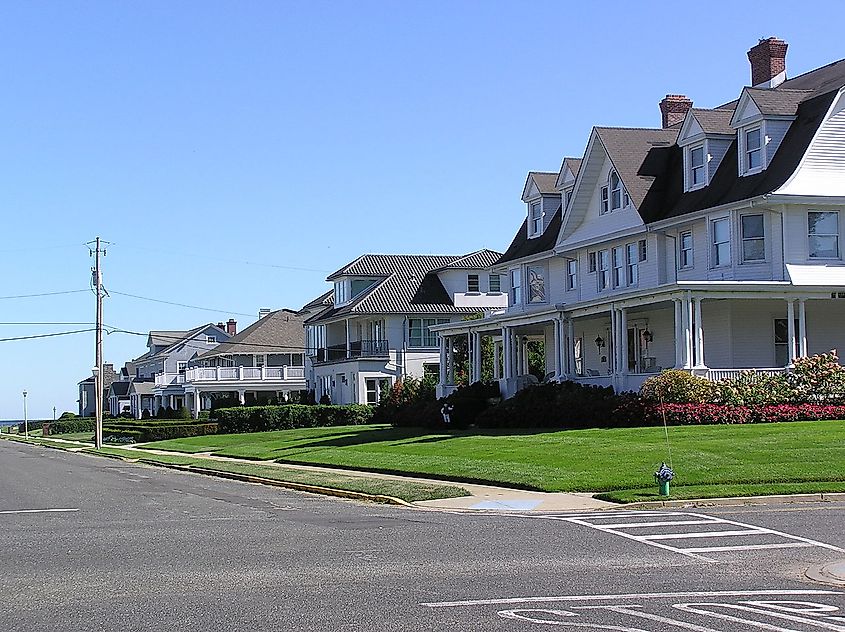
715 375
166 379
357 349
245 373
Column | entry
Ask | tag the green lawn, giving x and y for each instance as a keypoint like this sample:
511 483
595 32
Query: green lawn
757 458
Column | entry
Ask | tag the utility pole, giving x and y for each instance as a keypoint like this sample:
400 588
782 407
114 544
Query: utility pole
99 291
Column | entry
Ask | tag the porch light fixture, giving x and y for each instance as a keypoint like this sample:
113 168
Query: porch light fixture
647 336
599 343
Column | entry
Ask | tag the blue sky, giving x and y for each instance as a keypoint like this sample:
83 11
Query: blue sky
236 153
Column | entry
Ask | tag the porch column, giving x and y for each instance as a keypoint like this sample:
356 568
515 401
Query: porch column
450 360
679 356
790 328
242 396
196 405
348 344
442 377
699 336
802 329
612 344
623 340
496 359
523 356
557 337
476 349
508 353
686 331
570 347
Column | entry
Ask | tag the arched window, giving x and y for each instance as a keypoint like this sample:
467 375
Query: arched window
615 191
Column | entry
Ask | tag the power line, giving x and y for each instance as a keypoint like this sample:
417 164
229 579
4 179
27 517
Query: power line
44 324
216 258
58 333
157 300
44 294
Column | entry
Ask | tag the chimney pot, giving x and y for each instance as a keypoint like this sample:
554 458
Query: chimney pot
768 62
221 325
674 108
231 327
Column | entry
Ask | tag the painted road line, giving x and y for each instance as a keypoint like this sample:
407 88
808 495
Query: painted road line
30 511
700 609
749 547
666 523
784 535
701 534
633 596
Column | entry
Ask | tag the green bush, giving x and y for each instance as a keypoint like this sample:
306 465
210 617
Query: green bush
818 379
67 425
755 389
158 430
678 387
290 416
68 415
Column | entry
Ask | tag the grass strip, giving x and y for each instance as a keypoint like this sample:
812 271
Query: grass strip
694 492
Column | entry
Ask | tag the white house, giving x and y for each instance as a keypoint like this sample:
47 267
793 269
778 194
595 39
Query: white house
377 325
710 244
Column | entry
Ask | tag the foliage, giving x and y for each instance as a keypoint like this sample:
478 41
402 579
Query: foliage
677 386
755 389
537 358
713 414
145 414
818 378
226 401
68 425
183 413
156 430
288 416
68 415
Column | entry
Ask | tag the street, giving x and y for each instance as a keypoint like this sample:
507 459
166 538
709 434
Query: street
99 544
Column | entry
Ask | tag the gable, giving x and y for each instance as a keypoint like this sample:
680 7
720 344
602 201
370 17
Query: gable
746 110
691 129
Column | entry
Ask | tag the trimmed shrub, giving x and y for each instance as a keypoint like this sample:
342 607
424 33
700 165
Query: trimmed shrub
753 389
819 378
158 431
712 414
66 425
68 415
677 386
290 416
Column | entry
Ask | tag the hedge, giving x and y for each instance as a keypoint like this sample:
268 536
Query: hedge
64 426
705 414
290 416
158 432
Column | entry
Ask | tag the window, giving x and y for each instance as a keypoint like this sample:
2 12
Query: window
536 218
753 149
495 283
566 197
643 246
721 242
419 334
823 233
260 360
618 255
536 284
375 387
604 270
472 283
571 274
431 371
685 244
615 191
579 357
604 204
592 262
181 367
516 289
210 340
360 285
633 257
782 341
625 199
340 293
696 166
753 240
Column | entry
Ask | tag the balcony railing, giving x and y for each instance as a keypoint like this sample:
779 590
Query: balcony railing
245 373
714 375
166 379
357 349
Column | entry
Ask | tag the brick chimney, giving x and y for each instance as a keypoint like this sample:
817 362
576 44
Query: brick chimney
674 108
231 327
220 325
768 62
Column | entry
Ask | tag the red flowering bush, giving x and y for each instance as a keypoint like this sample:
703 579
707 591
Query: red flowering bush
706 414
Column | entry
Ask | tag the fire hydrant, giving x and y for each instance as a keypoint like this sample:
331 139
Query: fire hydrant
662 476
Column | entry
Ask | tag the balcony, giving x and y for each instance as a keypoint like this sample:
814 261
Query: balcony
266 374
357 349
168 379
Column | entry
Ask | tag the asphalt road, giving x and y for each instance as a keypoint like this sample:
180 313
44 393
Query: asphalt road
142 548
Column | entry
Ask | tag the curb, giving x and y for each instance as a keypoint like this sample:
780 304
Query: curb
739 501
833 573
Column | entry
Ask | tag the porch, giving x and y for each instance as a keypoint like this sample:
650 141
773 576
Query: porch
249 385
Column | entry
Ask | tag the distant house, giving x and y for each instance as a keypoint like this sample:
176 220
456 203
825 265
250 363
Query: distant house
141 398
264 362
87 402
375 327
118 396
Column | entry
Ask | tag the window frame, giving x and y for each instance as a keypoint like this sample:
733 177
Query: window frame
497 284
603 270
615 191
686 261
642 247
516 286
571 274
604 208
743 239
210 340
836 235
714 245
746 152
632 264
473 280
592 264
694 183
617 265
535 217
420 336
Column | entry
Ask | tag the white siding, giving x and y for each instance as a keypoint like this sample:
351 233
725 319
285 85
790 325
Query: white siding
716 148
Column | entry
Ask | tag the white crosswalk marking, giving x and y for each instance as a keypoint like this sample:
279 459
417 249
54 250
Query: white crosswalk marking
650 528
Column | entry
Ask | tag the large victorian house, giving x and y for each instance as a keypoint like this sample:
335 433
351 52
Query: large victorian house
711 244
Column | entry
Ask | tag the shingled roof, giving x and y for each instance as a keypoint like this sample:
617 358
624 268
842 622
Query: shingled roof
716 121
522 246
777 101
407 284
280 331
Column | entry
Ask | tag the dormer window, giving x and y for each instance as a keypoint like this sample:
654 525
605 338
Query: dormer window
753 149
697 177
613 195
536 213
604 202
615 191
